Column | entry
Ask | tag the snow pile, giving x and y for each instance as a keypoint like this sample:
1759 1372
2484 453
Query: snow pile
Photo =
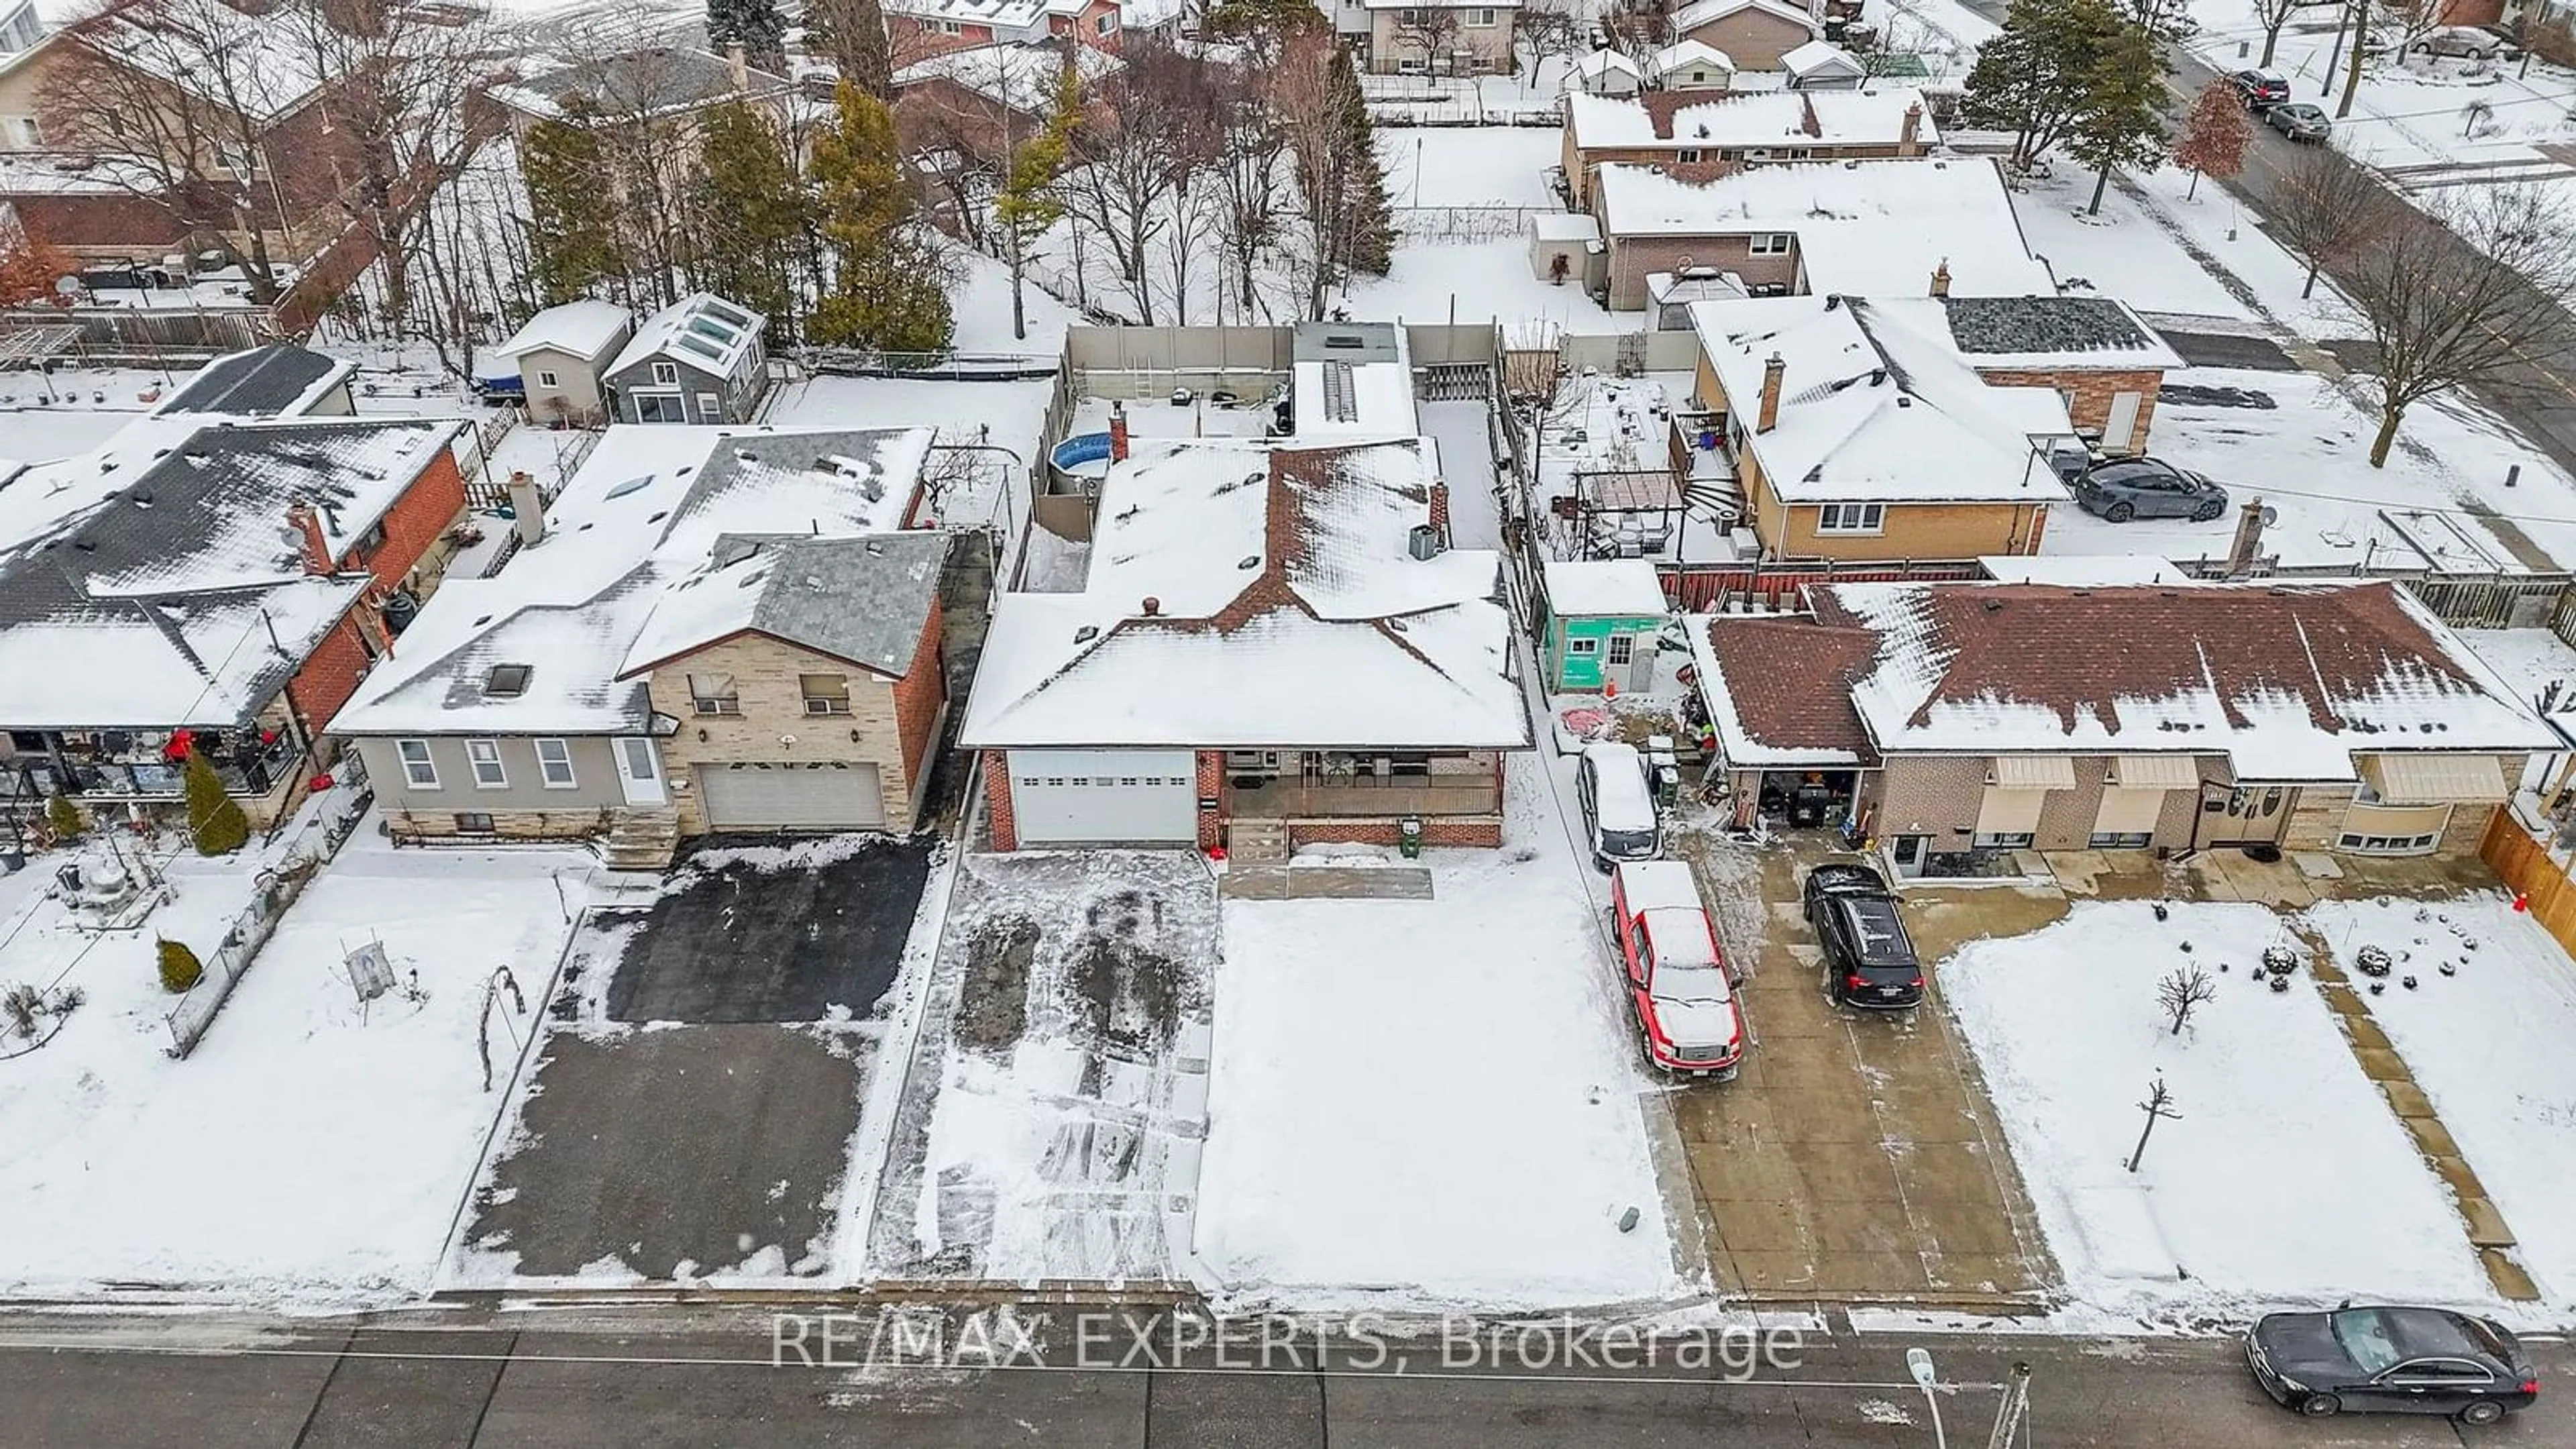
2485 1033
2285 1177
310 1150
1431 1102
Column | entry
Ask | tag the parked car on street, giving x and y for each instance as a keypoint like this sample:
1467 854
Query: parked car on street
1618 808
2300 122
2391 1360
2263 89
2463 41
2127 488
1869 960
1677 978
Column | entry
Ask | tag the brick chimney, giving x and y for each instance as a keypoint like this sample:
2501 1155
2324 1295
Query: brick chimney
1941 279
310 542
2248 544
1905 138
1774 371
1440 510
1153 607
527 509
1118 432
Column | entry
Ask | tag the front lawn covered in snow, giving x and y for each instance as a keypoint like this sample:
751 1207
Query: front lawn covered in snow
2285 1179
2486 1031
1437 1099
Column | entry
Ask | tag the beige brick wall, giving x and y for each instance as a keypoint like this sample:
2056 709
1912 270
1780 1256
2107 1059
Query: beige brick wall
506 824
1392 43
1941 797
1922 531
765 679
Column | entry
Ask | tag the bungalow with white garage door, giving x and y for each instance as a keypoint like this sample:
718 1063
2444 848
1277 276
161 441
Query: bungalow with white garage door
1275 646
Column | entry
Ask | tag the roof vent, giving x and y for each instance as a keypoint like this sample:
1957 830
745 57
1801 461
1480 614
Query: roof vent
1993 604
1250 561
746 455
506 681
1904 401
1086 633
1153 607
482 620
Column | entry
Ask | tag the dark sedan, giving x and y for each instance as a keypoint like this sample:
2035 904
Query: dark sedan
2127 488
2263 89
2388 1360
1869 960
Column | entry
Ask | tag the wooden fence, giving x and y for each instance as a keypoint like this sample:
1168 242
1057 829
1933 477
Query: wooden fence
2529 871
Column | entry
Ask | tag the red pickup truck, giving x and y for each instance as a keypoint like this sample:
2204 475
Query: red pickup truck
1676 977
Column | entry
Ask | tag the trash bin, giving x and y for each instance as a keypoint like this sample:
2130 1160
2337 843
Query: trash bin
1408 837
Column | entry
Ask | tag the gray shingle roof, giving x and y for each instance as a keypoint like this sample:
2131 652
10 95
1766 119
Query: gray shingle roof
260 383
1998 325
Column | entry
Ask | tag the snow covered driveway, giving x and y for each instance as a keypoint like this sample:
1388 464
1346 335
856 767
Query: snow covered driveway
2285 1177
1431 1102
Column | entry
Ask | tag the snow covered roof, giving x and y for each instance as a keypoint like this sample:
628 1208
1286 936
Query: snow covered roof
2287 681
1565 226
648 81
864 600
1873 412
703 330
1022 75
1595 67
652 506
2083 571
266 75
1605 588
1864 228
1778 689
1701 12
1353 379
1244 594
2040 332
585 329
1702 120
157 582
1682 53
1820 57
997 14
279 380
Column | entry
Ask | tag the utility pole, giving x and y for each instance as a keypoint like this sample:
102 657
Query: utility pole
2013 1410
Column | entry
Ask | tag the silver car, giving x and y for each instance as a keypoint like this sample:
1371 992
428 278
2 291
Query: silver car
2300 122
2457 40
2127 488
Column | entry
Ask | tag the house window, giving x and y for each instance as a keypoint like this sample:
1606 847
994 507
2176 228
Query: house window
825 693
2017 840
485 757
666 374
236 159
371 540
1622 649
1687 155
554 764
1480 19
1851 517
473 822
419 771
709 406
2388 844
2138 840
714 694
546 379
1769 244
1106 24
946 27
1582 648
28 133
1408 17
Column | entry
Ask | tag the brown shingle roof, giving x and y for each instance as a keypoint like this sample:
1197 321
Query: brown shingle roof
1790 677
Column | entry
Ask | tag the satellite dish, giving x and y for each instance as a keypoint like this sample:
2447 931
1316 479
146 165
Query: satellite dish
67 286
2271 516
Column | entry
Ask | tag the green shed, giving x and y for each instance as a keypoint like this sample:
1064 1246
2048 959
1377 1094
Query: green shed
1602 616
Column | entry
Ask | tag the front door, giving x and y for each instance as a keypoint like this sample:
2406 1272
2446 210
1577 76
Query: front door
1909 850
639 769
2243 814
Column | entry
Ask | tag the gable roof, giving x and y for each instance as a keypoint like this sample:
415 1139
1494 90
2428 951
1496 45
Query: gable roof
1703 119
1702 12
864 601
1021 75
2041 331
1689 52
279 380
1277 582
1778 688
1871 412
702 329
584 328
647 81
1821 57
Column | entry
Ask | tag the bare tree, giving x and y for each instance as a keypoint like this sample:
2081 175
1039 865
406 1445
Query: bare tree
1156 125
2183 991
2466 301
2325 208
2270 16
1251 207
1428 30
2158 1107
1553 27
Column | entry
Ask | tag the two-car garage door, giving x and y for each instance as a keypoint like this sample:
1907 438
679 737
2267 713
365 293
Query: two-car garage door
1102 797
825 795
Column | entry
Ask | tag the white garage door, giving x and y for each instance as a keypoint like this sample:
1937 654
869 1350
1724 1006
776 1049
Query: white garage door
1101 797
791 796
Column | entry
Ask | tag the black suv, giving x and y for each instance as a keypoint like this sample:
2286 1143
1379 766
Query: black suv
2262 89
1869 962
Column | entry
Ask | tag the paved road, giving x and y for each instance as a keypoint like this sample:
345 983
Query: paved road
698 1379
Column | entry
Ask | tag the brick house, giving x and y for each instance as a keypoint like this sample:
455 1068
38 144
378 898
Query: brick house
1272 647
1754 34
1861 228
919 29
2096 352
1849 435
1684 128
210 586
980 99
1440 37
1957 722
710 629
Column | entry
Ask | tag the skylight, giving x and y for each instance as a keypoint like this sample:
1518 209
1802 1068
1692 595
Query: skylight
506 681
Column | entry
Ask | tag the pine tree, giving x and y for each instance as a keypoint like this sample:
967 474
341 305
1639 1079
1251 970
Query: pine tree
64 818
180 967
750 213
2120 125
572 208
1368 240
215 820
887 279
755 25
1031 199
853 34
2214 135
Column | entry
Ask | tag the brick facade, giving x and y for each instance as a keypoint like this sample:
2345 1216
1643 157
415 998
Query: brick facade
1211 788
767 681
918 698
2089 394
329 675
418 824
1482 832
998 819
416 523
1631 258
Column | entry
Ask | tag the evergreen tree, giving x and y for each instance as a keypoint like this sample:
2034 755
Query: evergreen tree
64 818
1368 225
180 968
2032 78
215 820
755 25
886 287
2120 124
853 34
1031 198
572 208
750 212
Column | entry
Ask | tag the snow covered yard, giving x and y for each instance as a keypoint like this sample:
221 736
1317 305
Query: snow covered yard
2285 1177
1431 1102
2485 1033
311 1150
